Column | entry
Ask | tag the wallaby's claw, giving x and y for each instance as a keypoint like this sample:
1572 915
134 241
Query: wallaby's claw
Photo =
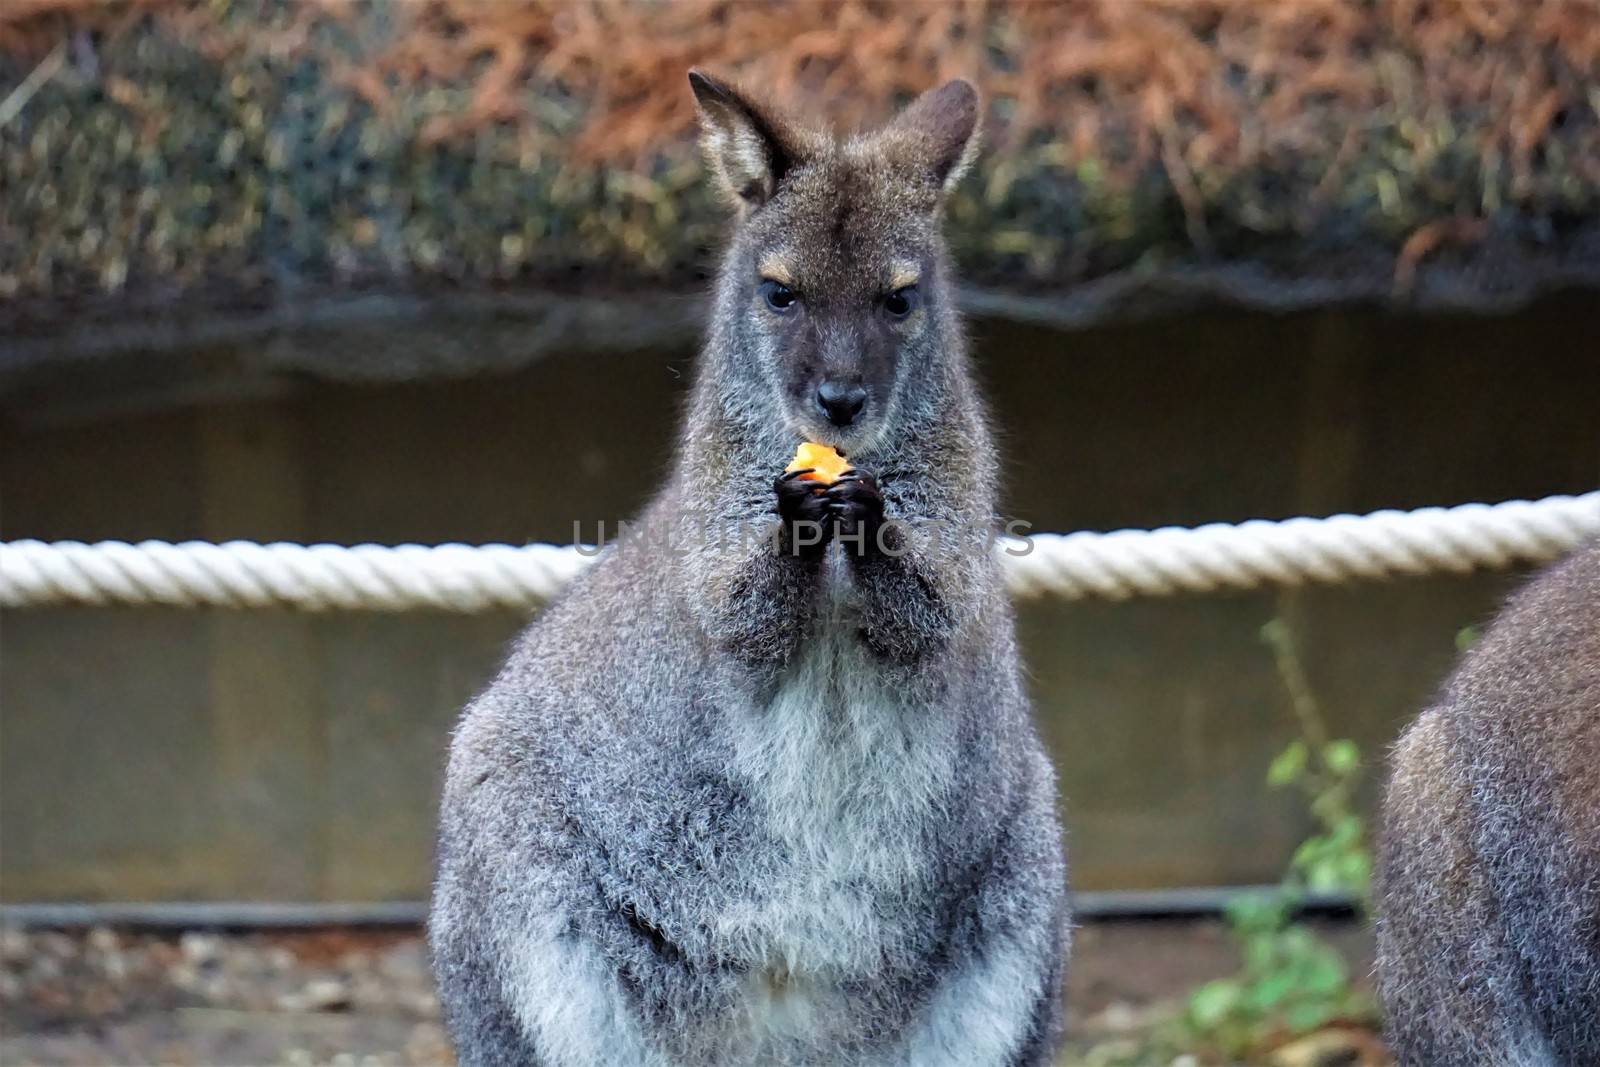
792 489
789 476
805 512
856 474
856 487
856 503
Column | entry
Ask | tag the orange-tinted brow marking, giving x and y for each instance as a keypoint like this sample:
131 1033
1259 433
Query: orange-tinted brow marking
902 276
775 268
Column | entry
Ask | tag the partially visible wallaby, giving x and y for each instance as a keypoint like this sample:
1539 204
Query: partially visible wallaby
1489 873
777 800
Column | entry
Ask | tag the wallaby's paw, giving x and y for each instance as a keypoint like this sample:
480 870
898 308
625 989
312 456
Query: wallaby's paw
856 504
806 513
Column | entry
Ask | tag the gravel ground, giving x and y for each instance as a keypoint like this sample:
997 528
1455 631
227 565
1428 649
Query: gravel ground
109 997
360 997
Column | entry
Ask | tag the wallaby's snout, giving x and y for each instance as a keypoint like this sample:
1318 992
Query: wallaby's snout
837 367
841 402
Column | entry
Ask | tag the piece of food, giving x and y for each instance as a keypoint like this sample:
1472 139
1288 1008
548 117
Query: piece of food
825 463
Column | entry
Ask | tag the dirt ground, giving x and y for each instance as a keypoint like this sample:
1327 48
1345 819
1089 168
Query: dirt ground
363 997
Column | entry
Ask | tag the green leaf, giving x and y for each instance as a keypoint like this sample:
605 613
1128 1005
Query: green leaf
1341 757
1312 1015
1275 632
1271 991
1212 1004
1324 877
1260 955
1288 766
1355 870
1324 973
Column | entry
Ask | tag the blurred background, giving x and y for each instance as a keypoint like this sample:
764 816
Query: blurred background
327 270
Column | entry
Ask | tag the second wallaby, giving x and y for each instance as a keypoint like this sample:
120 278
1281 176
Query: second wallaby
771 793
1489 873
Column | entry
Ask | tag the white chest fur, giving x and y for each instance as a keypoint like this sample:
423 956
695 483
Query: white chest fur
845 772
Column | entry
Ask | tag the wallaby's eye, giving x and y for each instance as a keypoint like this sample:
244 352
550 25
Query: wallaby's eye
900 302
779 297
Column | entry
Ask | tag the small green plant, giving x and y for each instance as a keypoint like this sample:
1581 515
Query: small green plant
1326 770
1292 981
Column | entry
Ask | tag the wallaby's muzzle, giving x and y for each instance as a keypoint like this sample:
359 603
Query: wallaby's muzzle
841 403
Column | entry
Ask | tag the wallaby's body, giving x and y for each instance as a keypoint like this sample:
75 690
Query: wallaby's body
1489 877
768 802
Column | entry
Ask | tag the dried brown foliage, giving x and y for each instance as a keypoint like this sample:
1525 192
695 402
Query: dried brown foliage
1220 81
1194 84
29 28
1120 130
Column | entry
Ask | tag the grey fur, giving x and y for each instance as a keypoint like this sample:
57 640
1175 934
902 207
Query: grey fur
1489 870
737 804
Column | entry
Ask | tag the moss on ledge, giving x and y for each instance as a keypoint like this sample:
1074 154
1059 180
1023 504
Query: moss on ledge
238 153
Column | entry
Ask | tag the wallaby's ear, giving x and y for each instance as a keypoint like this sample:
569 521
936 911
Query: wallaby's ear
747 145
937 133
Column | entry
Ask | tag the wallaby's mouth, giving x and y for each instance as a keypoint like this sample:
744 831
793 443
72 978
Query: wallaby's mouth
849 420
858 437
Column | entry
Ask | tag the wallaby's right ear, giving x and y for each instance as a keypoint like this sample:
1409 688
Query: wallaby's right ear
748 147
937 133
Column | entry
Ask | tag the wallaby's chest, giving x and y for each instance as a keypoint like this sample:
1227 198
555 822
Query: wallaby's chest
846 777
841 786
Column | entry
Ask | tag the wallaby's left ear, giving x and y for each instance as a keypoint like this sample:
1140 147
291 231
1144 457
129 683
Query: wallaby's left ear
937 132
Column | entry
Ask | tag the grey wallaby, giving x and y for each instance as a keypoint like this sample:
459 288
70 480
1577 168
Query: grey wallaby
1489 868
771 793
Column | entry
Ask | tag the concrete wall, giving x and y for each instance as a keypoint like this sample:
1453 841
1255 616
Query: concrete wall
155 754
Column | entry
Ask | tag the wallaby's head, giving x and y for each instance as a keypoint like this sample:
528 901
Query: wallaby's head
834 294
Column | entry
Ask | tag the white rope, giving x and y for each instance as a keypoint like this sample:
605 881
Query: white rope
1127 563
1339 549
242 574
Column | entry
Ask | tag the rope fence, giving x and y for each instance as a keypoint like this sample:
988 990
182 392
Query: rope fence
1127 563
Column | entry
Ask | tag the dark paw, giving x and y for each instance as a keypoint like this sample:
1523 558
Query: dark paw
805 514
856 504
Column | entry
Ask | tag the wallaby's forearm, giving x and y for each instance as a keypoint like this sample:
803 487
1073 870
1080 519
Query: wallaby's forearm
912 560
760 610
905 613
752 587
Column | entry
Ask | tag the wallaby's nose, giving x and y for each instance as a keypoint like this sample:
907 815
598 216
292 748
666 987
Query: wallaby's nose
841 403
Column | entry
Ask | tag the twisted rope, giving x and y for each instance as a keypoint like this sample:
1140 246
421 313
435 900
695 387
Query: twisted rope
1127 563
1338 549
242 574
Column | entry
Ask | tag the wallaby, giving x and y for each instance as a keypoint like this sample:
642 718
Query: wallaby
1489 870
774 795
